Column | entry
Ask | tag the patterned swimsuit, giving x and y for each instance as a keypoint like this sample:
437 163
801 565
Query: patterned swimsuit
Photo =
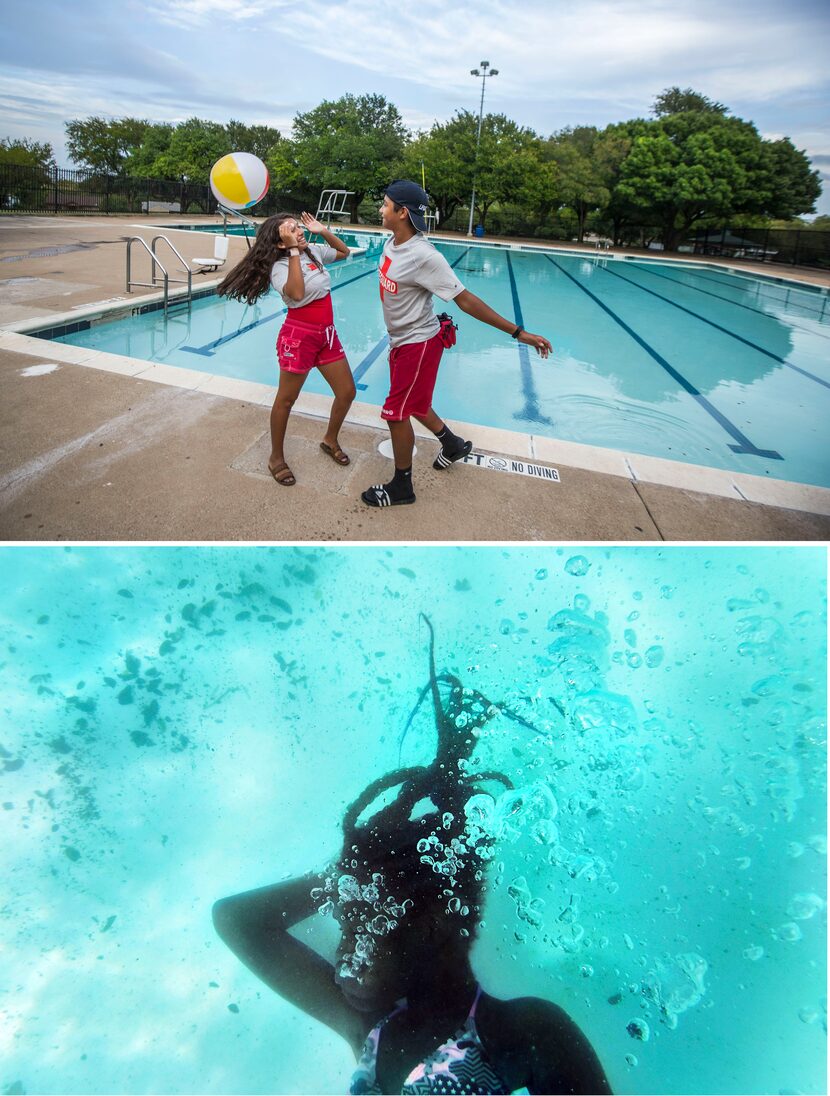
458 1066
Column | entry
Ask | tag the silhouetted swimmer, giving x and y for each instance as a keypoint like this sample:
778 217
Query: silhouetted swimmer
407 891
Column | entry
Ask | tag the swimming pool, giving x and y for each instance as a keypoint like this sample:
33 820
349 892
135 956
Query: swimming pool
183 723
674 360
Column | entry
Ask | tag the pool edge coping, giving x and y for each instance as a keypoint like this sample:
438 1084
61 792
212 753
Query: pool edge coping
635 467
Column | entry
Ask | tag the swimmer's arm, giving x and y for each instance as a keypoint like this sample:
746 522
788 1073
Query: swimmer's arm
255 926
474 306
560 1056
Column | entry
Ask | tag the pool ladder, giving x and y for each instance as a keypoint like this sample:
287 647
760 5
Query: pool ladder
164 278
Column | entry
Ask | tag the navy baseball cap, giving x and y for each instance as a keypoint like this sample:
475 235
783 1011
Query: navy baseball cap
414 198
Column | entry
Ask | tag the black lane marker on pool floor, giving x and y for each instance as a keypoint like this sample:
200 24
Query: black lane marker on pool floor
531 410
207 350
645 269
711 275
744 444
718 327
382 344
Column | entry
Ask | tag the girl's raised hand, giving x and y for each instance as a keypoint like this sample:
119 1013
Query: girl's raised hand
288 234
311 223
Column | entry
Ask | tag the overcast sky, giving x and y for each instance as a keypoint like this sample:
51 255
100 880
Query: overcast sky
559 63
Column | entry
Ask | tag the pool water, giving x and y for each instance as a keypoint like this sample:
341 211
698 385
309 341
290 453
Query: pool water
186 723
691 364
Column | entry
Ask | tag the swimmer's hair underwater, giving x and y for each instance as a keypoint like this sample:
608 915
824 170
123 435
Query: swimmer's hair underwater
391 840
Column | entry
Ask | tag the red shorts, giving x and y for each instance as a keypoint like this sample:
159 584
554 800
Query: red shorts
301 346
413 369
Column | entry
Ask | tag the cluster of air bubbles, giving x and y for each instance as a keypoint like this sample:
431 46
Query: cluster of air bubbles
675 984
371 913
530 809
447 854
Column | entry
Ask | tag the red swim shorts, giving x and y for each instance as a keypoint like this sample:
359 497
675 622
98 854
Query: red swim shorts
301 346
413 369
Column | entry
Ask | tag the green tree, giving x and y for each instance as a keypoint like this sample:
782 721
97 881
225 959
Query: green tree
508 155
258 140
693 165
24 153
446 152
146 160
583 171
24 189
195 146
352 143
794 187
674 101
104 146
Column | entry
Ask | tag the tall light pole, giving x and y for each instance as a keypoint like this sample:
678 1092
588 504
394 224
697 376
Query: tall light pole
483 73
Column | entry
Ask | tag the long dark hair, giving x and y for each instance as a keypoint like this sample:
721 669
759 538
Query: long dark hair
431 863
251 279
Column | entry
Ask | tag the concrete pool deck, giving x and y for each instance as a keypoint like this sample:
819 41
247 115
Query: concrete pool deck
98 447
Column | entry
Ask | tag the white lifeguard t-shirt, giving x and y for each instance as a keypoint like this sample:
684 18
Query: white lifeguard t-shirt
316 279
409 275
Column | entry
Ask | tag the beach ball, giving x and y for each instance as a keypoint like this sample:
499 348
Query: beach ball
239 180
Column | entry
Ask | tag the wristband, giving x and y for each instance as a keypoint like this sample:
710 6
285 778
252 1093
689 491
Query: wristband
517 332
293 252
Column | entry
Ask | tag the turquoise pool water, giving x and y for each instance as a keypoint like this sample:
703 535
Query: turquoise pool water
184 723
696 365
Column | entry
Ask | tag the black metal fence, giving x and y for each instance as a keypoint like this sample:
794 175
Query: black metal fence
60 190
795 246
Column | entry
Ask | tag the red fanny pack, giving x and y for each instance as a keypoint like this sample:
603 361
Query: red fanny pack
447 329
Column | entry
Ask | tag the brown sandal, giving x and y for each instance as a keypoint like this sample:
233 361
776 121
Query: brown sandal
336 453
282 475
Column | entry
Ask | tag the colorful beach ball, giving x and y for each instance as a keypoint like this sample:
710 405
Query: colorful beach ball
239 180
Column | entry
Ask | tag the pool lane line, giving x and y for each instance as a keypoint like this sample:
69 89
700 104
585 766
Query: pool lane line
719 327
744 444
531 412
728 300
383 343
713 276
208 349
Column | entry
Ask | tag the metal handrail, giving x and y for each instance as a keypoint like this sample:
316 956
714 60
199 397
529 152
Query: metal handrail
185 266
246 221
153 259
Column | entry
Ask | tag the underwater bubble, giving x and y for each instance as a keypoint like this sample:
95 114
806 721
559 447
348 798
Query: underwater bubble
506 627
582 603
587 971
753 953
638 1029
634 660
795 849
666 592
675 984
654 656
629 943
809 1015
604 712
789 932
545 832
630 637
577 566
541 574
631 1060
454 905
803 906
